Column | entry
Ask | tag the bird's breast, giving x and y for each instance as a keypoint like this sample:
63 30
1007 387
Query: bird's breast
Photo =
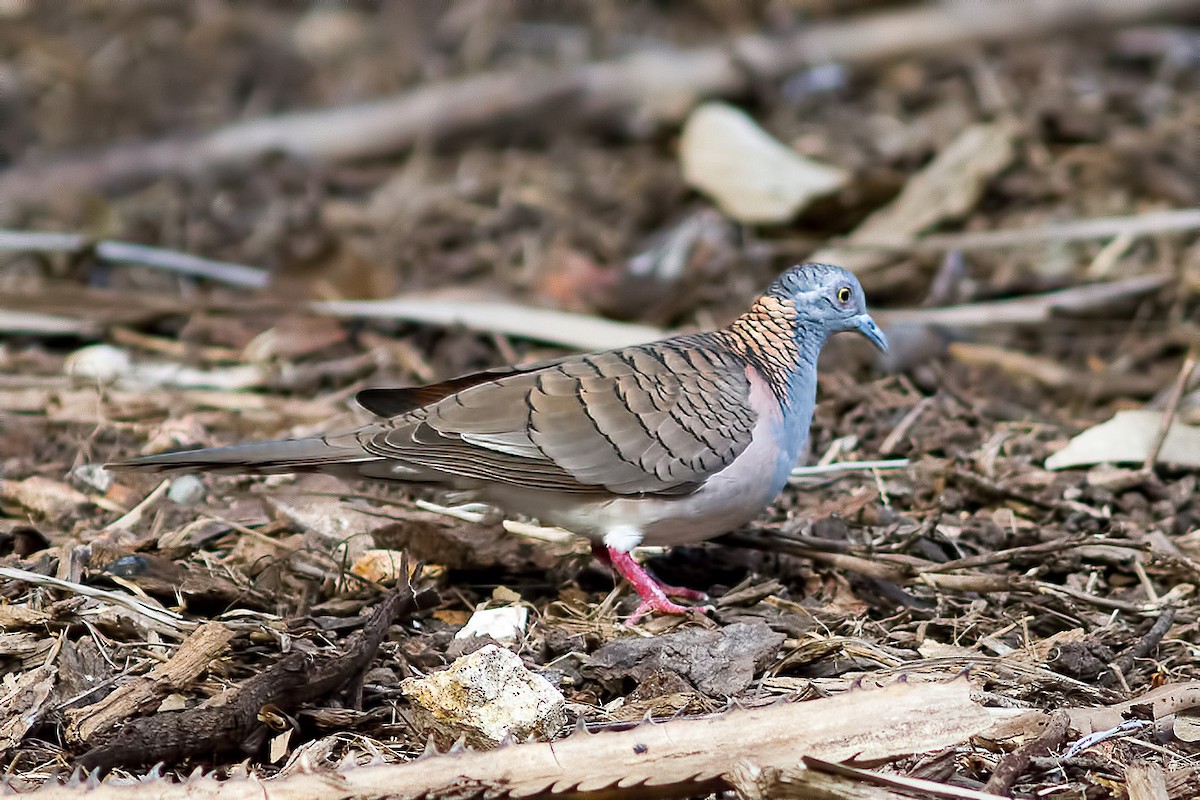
725 501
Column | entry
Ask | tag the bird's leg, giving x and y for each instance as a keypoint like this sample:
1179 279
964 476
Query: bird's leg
678 591
652 592
601 553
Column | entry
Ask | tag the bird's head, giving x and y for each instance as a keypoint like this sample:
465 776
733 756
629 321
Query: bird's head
828 297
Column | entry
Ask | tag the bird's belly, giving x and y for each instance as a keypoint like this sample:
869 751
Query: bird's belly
727 500
662 521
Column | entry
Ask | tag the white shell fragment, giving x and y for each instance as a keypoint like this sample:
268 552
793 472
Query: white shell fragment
750 175
485 697
505 624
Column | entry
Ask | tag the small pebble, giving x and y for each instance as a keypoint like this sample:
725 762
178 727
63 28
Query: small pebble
186 490
92 476
100 363
506 624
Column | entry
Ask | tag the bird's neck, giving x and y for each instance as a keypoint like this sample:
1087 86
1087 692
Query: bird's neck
779 343
783 345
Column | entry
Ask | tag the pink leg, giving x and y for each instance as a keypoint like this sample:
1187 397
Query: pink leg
601 554
680 591
652 592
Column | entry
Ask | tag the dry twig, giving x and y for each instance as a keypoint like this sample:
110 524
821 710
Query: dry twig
131 253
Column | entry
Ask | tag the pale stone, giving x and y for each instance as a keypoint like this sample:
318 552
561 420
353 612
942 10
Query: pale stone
485 697
505 624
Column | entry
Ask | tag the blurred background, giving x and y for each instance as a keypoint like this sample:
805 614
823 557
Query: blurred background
218 221
650 162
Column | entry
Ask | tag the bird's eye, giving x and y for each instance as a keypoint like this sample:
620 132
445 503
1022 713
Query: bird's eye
843 295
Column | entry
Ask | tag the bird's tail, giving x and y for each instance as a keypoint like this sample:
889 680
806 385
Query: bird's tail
283 455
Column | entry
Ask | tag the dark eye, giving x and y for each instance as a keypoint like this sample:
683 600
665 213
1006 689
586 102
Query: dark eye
843 295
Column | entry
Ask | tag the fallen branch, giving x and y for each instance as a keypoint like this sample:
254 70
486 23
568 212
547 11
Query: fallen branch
848 466
510 319
1161 703
649 87
228 720
1141 649
31 322
1013 765
1151 222
190 660
673 759
916 785
584 332
1030 309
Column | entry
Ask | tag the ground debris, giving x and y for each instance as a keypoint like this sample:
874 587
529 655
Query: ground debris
673 759
230 719
1025 223
719 663
752 177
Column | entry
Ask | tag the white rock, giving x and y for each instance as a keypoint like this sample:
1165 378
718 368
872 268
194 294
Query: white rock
485 696
750 175
93 476
505 624
99 363
329 32
186 490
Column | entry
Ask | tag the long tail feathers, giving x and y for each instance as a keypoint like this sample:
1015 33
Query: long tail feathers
284 455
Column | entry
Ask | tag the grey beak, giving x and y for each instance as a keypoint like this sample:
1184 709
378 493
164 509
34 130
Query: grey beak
867 327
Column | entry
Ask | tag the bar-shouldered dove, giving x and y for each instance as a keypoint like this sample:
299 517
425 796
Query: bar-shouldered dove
665 443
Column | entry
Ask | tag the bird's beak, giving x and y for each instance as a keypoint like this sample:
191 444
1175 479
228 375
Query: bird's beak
867 327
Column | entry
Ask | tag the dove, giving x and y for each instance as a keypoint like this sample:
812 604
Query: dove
667 443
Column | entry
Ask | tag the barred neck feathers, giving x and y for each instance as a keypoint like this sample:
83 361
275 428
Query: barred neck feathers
765 337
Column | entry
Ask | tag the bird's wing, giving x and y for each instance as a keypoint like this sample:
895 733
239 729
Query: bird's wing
389 402
653 419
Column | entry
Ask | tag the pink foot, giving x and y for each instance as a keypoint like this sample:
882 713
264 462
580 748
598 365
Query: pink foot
602 555
650 589
681 591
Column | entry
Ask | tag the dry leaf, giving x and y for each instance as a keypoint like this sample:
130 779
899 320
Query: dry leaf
381 565
750 175
43 496
1127 439
948 187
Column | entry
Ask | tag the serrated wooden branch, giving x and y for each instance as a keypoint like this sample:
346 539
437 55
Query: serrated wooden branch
673 759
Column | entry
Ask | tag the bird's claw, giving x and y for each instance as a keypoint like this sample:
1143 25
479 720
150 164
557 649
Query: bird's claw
665 606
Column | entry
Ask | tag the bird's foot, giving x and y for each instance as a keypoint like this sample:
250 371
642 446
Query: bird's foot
652 591
681 591
602 554
662 605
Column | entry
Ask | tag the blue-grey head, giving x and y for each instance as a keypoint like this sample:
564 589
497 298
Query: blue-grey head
827 299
